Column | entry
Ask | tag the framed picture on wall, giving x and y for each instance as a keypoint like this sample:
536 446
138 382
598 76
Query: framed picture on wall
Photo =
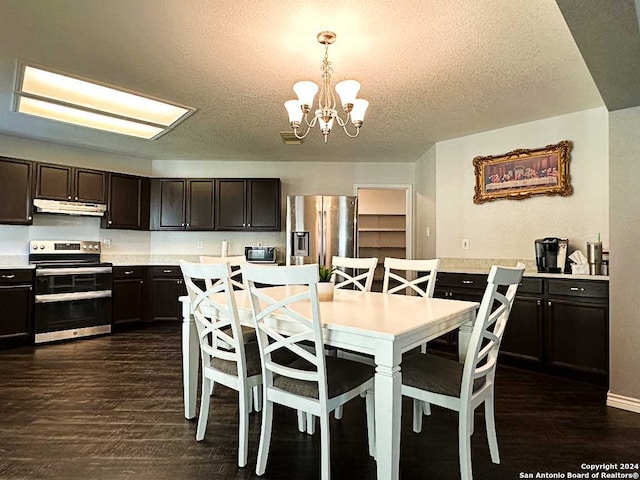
522 173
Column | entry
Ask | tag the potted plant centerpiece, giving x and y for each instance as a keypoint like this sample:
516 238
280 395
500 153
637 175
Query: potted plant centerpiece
325 287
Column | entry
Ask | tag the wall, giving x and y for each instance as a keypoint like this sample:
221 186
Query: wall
506 229
298 178
14 239
624 259
425 201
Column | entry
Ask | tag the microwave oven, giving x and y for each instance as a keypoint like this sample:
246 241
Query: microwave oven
260 254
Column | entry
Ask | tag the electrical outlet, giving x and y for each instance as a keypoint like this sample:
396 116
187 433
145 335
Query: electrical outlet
465 244
428 232
200 244
107 242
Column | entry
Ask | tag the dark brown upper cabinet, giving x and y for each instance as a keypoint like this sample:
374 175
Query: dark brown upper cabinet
248 204
182 204
60 182
127 202
15 191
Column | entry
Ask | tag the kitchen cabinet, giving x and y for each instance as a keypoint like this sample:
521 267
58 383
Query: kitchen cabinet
15 191
16 300
127 202
577 324
182 204
61 182
456 286
128 295
557 325
248 204
167 285
522 341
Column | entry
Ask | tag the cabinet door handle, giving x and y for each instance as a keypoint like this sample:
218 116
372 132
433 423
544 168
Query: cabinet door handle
576 289
244 225
128 272
188 224
538 302
69 197
110 222
549 303
248 224
28 218
141 282
182 224
167 271
76 198
179 282
8 276
468 282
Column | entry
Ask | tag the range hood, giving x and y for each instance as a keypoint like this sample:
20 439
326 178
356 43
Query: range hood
69 208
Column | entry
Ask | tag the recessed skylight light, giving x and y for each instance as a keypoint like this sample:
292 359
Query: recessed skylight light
59 97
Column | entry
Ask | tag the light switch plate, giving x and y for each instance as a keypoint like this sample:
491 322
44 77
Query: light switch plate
465 244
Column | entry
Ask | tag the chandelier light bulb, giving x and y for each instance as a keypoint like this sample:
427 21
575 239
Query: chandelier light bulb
294 111
357 113
348 89
306 92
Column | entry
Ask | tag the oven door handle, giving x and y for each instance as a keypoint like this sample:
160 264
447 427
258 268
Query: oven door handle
68 297
46 272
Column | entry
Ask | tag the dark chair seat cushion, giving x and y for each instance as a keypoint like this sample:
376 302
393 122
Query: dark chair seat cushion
252 356
434 374
342 376
248 333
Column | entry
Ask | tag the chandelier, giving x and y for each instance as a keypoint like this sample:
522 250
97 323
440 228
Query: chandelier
326 113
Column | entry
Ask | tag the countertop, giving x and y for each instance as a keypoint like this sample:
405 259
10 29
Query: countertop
527 273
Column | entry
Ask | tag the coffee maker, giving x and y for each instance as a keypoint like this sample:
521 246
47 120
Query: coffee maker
551 254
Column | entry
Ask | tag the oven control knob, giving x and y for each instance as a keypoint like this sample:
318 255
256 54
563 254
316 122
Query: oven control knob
41 247
84 247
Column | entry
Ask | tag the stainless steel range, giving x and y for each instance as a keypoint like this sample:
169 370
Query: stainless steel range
73 290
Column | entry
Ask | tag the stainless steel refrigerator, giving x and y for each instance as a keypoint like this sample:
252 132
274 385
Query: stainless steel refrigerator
320 227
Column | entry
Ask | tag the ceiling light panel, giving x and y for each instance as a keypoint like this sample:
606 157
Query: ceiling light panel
91 95
84 118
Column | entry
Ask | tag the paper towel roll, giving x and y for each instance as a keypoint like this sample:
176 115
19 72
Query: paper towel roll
225 249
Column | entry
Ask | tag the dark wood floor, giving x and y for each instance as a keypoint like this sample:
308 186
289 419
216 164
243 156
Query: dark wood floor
111 408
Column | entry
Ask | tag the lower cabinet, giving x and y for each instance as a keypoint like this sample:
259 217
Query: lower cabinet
167 285
16 300
558 326
128 294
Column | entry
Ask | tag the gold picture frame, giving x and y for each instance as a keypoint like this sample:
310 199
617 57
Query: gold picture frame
524 172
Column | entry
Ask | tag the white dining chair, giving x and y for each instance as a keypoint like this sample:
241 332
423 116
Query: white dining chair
464 387
234 262
314 383
236 366
355 273
409 285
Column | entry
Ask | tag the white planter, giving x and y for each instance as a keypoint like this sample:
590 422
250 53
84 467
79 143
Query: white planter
325 291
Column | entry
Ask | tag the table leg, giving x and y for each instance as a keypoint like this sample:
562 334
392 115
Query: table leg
388 413
190 356
464 337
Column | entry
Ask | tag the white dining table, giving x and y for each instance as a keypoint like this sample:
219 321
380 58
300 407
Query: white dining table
381 325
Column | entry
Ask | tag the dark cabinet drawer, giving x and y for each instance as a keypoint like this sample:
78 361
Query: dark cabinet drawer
128 272
579 288
171 272
17 276
530 285
461 280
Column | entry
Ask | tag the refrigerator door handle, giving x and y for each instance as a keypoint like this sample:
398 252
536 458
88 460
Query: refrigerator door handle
322 249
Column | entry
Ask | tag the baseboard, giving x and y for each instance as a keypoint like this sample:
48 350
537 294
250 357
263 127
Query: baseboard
625 403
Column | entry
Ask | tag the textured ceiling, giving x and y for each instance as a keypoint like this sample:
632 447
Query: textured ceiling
431 69
609 40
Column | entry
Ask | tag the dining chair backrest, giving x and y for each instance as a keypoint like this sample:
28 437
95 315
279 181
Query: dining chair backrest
235 261
299 310
214 316
491 320
356 272
401 264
